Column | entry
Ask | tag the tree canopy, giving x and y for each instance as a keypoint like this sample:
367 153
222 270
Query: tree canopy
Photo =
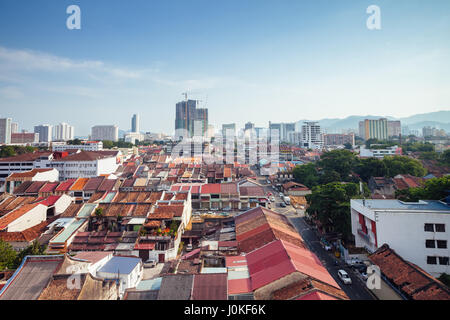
434 189
330 204
8 256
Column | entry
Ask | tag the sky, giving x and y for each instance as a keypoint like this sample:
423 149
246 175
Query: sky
246 60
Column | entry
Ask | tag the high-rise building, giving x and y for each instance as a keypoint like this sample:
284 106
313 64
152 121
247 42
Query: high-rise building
14 127
374 129
394 128
5 130
135 123
285 131
336 139
106 132
229 127
312 135
189 118
63 132
249 126
45 132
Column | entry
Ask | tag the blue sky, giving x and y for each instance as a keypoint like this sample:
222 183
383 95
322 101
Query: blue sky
248 60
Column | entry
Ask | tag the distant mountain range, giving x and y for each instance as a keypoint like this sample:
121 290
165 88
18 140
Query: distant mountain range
439 119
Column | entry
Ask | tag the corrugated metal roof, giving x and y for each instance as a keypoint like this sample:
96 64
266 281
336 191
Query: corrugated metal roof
210 287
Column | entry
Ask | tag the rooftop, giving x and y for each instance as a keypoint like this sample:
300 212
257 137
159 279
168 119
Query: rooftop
392 204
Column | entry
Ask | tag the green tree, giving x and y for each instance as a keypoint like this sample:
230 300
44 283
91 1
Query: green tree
107 144
330 204
99 212
35 249
348 146
403 165
8 256
370 167
434 189
306 174
7 151
340 161
429 155
446 157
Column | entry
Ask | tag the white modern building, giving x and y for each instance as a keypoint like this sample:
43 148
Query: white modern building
128 270
379 153
5 131
14 127
86 146
23 162
419 232
45 132
133 137
108 132
87 164
63 132
312 136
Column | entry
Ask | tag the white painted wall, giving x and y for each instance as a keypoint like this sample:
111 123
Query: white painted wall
31 218
404 233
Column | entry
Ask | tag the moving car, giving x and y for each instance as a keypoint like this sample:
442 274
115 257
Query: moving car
343 275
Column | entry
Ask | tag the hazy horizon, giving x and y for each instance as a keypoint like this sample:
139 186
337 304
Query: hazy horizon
255 61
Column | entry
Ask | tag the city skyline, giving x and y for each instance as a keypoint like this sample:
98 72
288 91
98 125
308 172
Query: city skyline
326 63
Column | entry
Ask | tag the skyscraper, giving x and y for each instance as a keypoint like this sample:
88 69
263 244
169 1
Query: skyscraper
312 136
187 116
135 123
63 132
108 132
228 127
14 127
374 129
5 130
45 132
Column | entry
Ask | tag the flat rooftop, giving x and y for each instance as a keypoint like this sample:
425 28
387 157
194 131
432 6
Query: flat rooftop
392 204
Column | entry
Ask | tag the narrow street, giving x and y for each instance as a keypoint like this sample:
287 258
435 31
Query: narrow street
357 290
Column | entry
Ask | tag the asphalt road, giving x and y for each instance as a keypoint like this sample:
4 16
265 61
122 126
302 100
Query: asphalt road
355 291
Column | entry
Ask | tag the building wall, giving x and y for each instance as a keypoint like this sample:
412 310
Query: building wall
33 217
62 204
404 233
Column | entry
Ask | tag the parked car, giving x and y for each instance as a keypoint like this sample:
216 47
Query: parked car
150 263
353 261
327 247
272 199
189 247
281 195
282 204
343 275
361 267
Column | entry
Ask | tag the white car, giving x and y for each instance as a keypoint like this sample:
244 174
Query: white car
150 263
343 275
281 195
189 247
272 199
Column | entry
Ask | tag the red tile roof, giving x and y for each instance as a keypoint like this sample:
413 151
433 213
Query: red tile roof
49 187
13 215
65 186
279 259
210 188
412 281
28 174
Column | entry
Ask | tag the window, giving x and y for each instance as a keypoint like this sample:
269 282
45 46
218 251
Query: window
440 227
430 244
442 244
431 260
429 227
443 261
